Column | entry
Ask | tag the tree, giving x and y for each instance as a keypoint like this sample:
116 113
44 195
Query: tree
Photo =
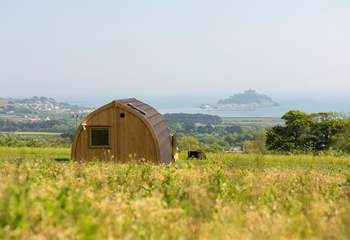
188 143
231 139
304 132
258 145
324 128
233 129
206 129
340 141
278 140
297 127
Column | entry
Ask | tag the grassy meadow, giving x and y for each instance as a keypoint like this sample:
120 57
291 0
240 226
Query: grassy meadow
227 196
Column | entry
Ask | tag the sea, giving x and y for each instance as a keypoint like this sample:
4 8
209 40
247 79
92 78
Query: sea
185 104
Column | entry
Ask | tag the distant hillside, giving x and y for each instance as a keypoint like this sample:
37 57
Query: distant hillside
248 100
4 102
38 108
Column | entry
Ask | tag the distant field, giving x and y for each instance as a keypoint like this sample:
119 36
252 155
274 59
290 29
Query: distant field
12 117
227 196
252 121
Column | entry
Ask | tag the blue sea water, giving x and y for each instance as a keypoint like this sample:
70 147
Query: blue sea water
191 105
285 105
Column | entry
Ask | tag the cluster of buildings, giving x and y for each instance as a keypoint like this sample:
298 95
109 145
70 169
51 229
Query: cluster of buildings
38 108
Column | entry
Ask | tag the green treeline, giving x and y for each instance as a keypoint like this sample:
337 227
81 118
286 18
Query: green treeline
60 125
298 133
24 140
207 132
315 132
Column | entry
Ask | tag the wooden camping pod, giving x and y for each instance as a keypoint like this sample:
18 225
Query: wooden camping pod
123 130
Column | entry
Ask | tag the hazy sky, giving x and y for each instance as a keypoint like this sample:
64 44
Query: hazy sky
157 47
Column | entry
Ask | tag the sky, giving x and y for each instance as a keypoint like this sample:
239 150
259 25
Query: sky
183 48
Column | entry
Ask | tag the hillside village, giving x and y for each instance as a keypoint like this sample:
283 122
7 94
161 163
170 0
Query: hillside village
38 109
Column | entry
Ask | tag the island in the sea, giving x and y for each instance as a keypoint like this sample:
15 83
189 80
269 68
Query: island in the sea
246 101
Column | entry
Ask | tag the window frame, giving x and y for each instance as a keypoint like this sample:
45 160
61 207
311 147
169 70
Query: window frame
90 128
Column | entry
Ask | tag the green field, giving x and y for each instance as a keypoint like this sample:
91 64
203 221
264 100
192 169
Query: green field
227 196
261 122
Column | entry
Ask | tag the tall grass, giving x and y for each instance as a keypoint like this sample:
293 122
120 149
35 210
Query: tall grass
30 153
227 196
